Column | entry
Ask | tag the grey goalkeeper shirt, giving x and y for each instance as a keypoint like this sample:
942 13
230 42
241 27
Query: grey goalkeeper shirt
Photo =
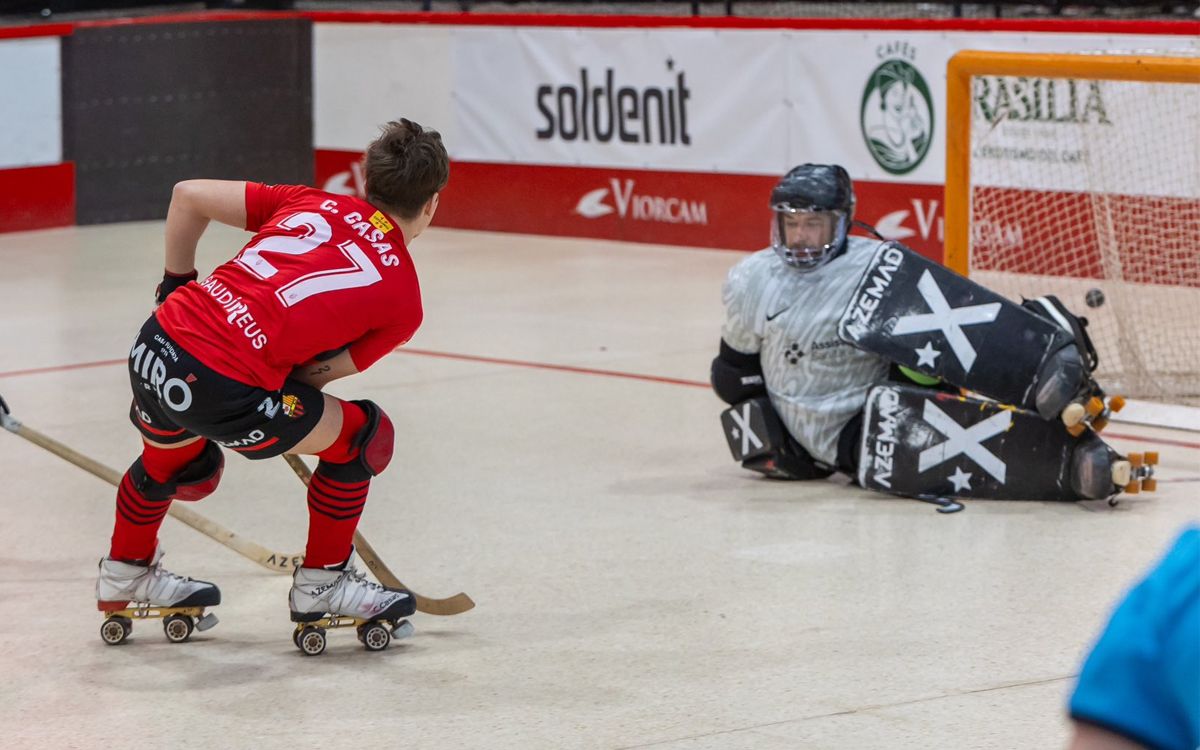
816 381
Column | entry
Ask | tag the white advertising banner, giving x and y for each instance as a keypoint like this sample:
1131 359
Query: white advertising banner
31 93
734 101
668 99
1068 135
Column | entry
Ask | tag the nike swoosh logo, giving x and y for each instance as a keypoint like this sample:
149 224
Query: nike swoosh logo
778 313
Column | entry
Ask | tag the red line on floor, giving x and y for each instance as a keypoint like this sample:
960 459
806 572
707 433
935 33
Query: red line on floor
546 366
1141 438
559 368
61 368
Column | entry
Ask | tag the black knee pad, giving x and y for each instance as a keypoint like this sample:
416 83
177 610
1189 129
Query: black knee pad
196 481
375 443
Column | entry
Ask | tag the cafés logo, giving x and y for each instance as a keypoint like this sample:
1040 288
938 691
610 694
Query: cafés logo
896 116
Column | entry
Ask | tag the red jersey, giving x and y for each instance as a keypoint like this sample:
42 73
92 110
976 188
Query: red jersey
322 272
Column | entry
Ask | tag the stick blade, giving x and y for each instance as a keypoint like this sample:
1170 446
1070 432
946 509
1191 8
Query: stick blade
451 605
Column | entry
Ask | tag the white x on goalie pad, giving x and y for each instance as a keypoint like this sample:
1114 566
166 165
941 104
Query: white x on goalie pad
742 420
949 320
964 441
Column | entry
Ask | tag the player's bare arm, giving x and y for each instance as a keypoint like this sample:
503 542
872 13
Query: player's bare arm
193 204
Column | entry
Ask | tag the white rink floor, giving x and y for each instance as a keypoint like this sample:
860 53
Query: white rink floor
635 588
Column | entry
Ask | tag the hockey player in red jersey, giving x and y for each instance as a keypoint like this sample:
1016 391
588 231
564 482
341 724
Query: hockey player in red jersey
324 288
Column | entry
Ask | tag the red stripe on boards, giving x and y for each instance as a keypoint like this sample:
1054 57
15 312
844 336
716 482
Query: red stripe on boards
37 197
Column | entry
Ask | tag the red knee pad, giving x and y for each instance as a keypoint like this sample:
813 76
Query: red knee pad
377 440
364 446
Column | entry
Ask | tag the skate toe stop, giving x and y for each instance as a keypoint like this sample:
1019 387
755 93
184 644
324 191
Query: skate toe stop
1122 474
1073 414
403 629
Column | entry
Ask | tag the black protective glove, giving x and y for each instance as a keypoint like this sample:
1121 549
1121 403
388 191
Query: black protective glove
171 282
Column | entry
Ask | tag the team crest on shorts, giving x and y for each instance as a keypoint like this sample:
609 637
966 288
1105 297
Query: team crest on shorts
292 406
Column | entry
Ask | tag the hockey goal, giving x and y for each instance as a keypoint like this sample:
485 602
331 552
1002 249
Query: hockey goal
1079 175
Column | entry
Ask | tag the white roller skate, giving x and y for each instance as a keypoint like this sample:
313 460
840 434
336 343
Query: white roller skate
324 599
126 592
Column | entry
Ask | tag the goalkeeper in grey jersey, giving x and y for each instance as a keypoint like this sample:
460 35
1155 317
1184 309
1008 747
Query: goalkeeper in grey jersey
799 392
781 361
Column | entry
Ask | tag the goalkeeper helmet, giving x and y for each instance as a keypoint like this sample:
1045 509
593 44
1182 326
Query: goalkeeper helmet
812 207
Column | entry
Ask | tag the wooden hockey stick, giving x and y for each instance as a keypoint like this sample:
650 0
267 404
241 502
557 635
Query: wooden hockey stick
277 562
452 605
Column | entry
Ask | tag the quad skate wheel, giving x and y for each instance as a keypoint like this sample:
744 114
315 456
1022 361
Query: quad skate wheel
374 636
178 628
1122 474
1076 429
1149 485
1095 405
1133 488
1135 459
1116 403
1073 414
115 630
1151 458
1099 423
311 641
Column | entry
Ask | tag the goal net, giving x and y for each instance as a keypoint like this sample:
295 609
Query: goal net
1079 175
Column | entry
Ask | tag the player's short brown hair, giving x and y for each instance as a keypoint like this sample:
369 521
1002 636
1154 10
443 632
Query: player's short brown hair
405 166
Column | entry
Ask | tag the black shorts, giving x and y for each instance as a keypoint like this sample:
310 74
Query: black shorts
176 398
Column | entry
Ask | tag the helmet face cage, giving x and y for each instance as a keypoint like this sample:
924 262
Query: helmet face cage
807 257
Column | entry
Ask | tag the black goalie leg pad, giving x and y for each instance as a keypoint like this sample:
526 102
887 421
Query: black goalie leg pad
196 481
758 439
1052 308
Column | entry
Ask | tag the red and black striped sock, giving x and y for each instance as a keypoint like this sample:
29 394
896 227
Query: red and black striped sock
141 510
334 508
336 494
